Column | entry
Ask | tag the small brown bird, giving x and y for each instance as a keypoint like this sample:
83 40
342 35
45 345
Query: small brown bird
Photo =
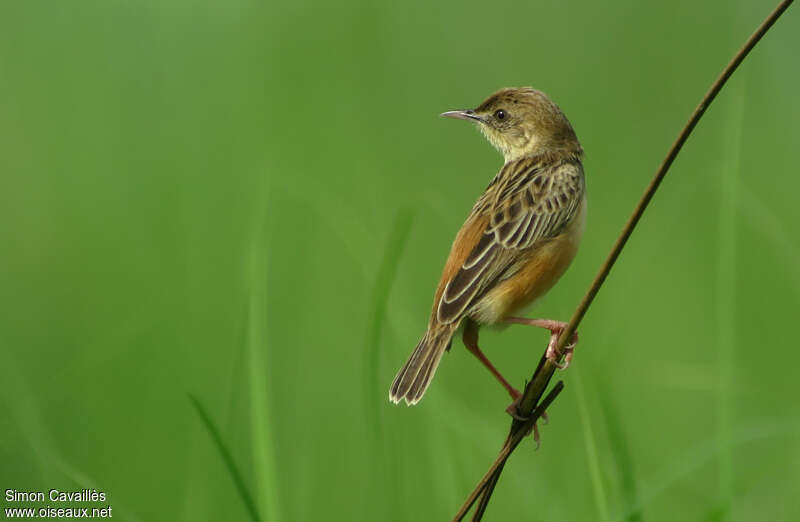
518 240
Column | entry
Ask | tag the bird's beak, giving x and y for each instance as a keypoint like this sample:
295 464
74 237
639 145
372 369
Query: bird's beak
463 115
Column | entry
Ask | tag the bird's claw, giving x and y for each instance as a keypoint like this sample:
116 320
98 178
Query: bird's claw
569 349
514 412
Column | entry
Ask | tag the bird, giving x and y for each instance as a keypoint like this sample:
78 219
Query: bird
517 241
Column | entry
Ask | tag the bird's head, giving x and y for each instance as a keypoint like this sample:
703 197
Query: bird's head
521 121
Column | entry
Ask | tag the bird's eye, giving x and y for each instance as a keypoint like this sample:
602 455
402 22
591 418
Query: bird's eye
500 115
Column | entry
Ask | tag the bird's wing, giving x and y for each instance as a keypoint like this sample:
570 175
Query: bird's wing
530 200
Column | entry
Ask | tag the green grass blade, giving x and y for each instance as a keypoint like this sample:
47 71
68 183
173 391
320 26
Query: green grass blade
725 288
619 450
591 451
380 295
258 355
238 480
375 391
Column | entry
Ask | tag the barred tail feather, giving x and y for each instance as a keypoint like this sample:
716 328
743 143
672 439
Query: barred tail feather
415 376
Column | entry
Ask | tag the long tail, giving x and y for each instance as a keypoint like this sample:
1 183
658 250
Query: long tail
415 376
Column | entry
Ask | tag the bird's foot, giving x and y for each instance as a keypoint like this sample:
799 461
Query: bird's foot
513 410
569 350
555 327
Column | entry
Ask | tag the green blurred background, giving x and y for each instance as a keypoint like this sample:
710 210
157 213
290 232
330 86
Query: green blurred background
250 202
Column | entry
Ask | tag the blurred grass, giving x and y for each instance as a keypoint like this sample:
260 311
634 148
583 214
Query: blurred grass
233 470
619 450
590 445
261 417
387 272
376 391
203 197
725 317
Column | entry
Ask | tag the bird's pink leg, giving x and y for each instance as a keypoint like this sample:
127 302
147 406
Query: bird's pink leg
470 338
471 342
555 327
